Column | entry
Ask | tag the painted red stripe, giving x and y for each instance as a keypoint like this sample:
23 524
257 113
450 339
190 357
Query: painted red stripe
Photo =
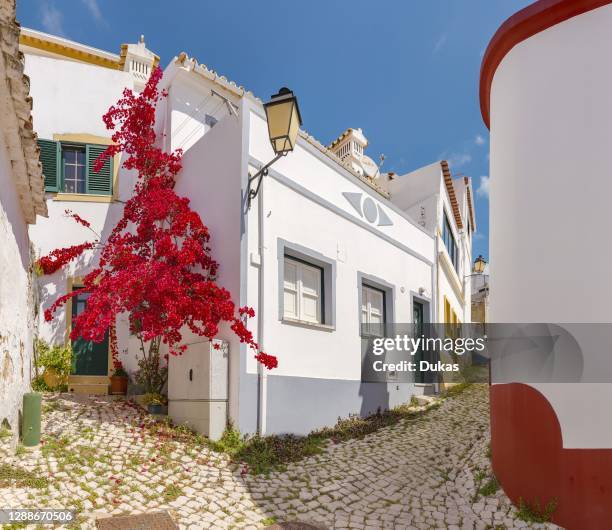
531 464
535 18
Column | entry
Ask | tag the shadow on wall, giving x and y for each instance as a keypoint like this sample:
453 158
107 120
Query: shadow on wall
50 287
374 396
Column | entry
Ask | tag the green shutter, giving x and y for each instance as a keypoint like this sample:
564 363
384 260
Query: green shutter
100 183
50 160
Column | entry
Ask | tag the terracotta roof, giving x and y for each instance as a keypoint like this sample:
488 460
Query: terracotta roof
450 189
16 118
527 22
468 184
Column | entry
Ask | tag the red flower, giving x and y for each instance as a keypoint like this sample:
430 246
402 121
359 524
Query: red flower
156 263
61 256
78 218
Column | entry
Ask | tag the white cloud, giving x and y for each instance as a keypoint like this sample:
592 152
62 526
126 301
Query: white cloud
52 19
479 140
459 159
483 188
94 9
440 43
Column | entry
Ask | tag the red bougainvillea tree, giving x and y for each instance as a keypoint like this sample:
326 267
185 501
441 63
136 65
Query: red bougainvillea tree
156 264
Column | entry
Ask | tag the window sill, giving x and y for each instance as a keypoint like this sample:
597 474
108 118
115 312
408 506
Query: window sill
82 197
305 324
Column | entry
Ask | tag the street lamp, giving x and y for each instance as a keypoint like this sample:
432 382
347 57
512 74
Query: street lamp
479 265
284 120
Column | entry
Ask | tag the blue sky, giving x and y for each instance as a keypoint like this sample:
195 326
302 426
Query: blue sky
406 72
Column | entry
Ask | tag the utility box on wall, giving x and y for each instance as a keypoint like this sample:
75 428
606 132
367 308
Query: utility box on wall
198 387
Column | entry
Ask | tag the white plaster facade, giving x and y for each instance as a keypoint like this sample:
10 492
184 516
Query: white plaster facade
310 206
430 195
75 114
21 199
550 192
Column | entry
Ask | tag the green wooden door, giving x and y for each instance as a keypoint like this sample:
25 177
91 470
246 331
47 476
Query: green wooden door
418 323
89 358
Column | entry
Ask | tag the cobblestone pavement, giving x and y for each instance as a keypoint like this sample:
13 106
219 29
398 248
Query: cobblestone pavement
425 472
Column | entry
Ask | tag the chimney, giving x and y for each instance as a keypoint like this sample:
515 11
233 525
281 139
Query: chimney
139 61
349 148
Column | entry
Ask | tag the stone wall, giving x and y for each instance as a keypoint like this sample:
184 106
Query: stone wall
21 201
16 313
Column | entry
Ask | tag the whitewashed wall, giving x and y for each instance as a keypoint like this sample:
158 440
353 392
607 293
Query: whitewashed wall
70 98
211 179
16 311
423 195
215 167
295 218
550 193
447 278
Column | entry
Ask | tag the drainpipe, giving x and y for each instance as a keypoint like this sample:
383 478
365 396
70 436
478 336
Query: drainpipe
435 296
262 386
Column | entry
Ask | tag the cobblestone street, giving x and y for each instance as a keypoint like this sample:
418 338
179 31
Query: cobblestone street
98 459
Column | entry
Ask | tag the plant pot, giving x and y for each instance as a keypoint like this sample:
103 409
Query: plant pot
154 409
52 379
119 384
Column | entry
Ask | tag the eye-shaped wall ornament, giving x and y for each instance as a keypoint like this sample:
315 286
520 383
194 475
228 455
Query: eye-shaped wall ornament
367 208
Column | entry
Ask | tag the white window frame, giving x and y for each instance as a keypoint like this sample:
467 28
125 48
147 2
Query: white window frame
369 281
302 292
367 292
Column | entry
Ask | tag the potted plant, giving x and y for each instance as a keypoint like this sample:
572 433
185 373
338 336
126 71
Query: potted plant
55 361
119 380
154 403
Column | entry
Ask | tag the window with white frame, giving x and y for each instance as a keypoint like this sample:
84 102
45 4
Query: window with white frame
372 306
450 243
303 291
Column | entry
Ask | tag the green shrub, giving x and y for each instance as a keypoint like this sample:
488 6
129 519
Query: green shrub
54 357
263 454
119 370
152 373
5 432
13 476
230 442
39 385
532 513
172 492
152 398
454 390
490 487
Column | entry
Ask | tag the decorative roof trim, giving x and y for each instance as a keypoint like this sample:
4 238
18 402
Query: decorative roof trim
75 50
69 49
16 115
468 185
526 23
192 65
342 137
450 189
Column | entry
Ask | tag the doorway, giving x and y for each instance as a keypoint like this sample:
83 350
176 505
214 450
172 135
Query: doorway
88 357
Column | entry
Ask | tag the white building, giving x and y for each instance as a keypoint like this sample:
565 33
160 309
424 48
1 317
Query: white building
71 134
21 200
322 248
443 206
545 94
